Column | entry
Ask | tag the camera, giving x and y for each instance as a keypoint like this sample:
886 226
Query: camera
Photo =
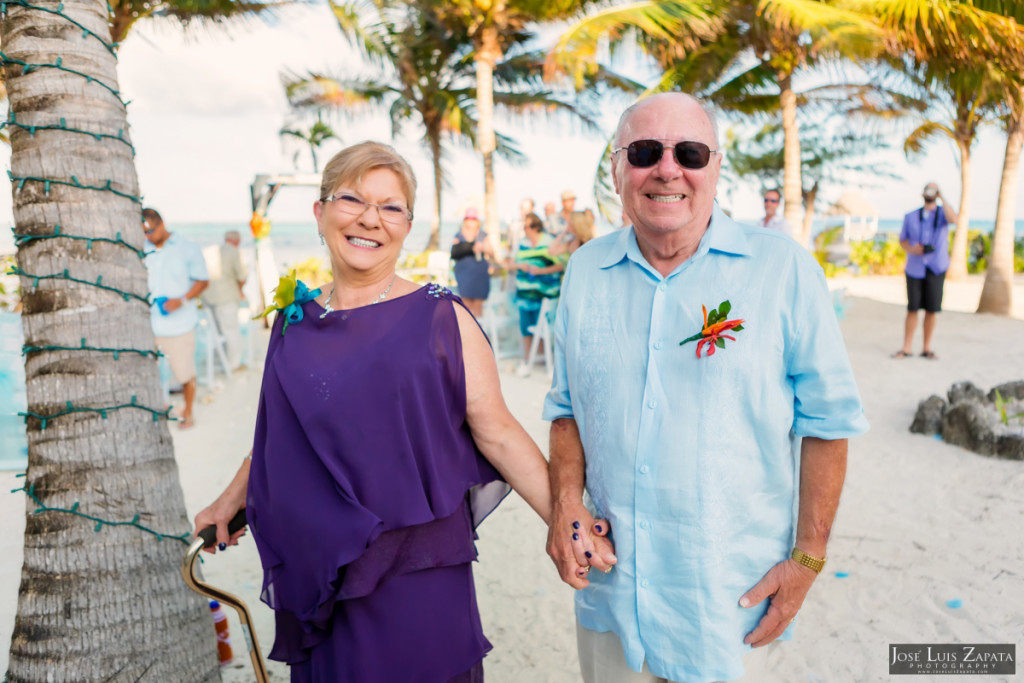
928 248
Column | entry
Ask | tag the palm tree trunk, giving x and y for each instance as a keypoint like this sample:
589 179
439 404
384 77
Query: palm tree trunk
792 186
997 293
434 141
487 55
105 604
958 255
809 199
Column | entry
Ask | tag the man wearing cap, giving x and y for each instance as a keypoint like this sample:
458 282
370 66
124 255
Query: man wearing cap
700 384
925 238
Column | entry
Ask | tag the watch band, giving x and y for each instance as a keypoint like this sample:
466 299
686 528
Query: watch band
809 561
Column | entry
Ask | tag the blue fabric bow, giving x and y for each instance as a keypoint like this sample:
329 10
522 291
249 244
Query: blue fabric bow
293 311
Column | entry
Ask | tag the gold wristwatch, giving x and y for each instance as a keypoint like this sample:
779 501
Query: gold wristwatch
817 564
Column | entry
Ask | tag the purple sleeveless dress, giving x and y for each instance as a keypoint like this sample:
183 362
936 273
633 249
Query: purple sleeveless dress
364 492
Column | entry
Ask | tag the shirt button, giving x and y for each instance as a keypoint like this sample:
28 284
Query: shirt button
644 469
644 524
652 404
657 344
645 583
662 287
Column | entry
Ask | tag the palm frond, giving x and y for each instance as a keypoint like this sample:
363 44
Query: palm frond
364 28
319 92
828 25
924 134
684 24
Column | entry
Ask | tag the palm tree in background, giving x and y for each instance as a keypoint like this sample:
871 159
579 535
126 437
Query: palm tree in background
108 603
124 13
830 153
494 27
314 137
428 76
962 54
742 56
997 292
962 101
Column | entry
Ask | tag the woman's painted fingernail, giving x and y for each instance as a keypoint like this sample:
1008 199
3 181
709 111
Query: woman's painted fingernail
598 527
222 546
575 536
575 525
587 553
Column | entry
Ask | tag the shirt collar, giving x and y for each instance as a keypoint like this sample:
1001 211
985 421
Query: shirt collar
723 235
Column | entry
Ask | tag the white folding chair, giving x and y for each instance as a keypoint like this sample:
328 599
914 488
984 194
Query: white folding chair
542 332
216 349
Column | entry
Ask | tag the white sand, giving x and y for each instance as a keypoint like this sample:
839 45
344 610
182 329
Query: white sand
920 523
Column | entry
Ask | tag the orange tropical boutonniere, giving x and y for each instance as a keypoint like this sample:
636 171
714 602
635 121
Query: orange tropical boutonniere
715 326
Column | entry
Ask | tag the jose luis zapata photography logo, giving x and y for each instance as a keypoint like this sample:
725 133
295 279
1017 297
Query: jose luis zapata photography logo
952 659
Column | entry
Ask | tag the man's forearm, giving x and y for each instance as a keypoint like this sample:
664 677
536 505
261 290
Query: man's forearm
566 467
197 288
822 471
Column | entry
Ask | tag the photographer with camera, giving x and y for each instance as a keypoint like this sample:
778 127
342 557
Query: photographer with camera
925 238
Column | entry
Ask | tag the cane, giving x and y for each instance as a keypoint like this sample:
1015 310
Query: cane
205 539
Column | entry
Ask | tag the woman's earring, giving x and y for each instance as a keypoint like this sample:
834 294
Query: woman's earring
322 240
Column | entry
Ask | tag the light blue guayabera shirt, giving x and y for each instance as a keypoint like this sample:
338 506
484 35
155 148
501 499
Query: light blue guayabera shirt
173 268
695 462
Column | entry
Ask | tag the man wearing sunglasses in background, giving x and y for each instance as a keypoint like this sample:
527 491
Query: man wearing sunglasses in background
700 382
773 219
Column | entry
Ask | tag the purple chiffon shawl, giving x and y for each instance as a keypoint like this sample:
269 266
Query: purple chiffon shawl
363 466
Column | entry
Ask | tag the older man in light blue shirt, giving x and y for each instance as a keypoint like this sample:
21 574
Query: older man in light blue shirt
703 393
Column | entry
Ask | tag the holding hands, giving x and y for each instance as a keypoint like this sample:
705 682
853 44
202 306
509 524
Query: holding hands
577 542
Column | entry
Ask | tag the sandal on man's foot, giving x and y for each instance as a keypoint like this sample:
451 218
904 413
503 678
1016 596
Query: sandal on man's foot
930 355
186 423
901 354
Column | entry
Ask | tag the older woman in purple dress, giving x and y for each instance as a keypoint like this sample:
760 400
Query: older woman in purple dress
382 440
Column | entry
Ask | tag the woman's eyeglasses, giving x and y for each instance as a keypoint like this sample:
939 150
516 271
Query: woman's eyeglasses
646 153
353 205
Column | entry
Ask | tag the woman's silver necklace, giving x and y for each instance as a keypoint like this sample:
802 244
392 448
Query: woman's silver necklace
380 297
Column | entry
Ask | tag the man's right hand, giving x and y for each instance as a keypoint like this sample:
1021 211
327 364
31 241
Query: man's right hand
576 542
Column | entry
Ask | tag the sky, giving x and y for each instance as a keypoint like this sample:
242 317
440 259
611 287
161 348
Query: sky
206 108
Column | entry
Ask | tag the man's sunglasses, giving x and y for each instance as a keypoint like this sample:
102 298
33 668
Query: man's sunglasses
646 153
771 200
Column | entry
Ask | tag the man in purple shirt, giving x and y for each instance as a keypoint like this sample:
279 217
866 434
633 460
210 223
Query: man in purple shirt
925 238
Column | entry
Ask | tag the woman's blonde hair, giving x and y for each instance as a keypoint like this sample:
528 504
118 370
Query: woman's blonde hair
352 163
581 225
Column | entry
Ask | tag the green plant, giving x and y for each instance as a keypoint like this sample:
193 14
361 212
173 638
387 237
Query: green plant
1001 404
979 246
822 241
312 271
878 256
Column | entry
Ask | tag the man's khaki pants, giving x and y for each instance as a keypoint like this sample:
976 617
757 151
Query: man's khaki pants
602 660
